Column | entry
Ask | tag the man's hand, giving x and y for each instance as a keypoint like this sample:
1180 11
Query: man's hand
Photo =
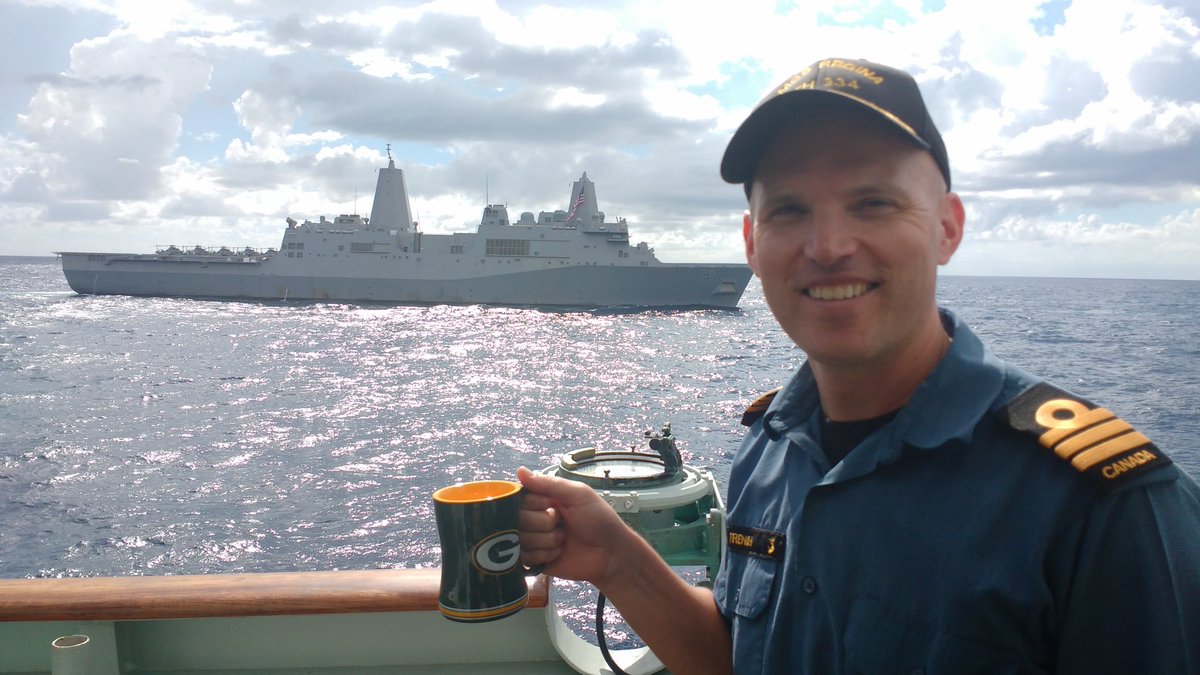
567 526
571 529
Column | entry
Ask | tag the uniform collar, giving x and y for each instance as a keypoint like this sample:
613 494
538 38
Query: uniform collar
794 404
960 390
946 405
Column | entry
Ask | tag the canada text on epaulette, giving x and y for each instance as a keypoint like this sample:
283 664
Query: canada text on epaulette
1097 443
759 407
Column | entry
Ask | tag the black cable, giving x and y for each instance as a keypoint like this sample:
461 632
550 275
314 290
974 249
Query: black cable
612 665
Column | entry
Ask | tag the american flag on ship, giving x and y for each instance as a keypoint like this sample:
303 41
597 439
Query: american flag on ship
575 206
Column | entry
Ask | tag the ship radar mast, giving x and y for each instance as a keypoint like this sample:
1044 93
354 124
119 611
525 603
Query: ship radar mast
582 208
391 210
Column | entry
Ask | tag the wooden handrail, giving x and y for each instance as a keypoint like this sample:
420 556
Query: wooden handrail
227 595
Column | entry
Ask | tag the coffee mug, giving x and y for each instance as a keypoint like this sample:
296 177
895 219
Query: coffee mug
482 575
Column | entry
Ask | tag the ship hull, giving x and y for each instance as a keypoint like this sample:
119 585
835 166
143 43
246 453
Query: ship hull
661 285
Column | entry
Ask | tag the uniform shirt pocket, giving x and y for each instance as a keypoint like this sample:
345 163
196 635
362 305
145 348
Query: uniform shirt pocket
752 592
745 600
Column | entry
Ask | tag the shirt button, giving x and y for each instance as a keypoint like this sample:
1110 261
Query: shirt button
809 585
775 429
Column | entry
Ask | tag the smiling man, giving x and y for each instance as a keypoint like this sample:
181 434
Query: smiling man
848 223
906 502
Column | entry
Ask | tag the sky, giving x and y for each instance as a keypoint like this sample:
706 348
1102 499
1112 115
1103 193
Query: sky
1073 128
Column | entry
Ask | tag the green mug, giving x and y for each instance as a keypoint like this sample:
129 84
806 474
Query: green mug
482 575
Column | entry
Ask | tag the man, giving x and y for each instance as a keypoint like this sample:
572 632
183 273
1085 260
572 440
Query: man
906 502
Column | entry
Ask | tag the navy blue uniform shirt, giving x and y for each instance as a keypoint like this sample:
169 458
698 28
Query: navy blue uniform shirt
952 541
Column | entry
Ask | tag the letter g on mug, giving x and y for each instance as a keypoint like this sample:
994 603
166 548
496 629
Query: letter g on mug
497 553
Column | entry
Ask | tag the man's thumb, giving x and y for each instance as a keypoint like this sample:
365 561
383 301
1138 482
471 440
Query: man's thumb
558 489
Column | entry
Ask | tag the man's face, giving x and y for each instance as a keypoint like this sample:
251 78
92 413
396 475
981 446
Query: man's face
848 223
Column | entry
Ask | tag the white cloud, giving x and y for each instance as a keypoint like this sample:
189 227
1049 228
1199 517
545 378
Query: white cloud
269 121
573 97
110 122
377 63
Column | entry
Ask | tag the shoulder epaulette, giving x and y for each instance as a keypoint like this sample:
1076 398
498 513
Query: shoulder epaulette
1097 443
759 407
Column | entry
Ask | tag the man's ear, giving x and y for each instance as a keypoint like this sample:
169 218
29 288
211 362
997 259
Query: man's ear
953 219
748 237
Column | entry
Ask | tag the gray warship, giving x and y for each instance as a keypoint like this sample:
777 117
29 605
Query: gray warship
564 258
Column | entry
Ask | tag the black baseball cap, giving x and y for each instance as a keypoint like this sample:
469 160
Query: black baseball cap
891 93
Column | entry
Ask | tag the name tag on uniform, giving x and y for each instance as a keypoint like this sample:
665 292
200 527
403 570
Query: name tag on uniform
755 542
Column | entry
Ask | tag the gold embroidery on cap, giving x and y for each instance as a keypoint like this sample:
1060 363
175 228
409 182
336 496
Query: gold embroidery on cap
792 81
863 71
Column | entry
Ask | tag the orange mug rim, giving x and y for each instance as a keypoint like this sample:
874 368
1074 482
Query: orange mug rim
477 491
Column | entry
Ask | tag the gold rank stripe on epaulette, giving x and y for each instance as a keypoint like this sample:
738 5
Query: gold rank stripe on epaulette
759 407
1096 442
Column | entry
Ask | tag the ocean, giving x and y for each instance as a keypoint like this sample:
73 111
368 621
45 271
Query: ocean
145 436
